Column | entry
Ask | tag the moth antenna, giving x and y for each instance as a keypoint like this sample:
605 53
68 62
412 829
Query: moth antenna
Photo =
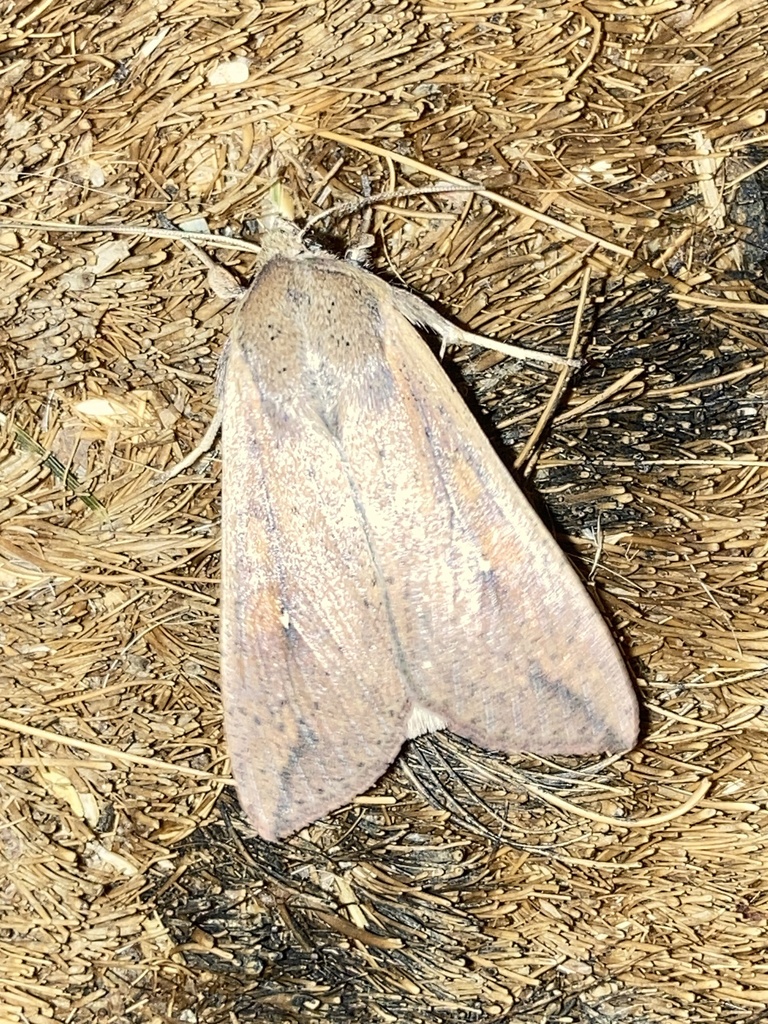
354 205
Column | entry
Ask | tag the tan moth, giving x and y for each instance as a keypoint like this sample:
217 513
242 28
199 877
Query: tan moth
382 574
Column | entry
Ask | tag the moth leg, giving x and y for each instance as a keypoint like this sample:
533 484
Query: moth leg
221 282
200 449
420 313
225 286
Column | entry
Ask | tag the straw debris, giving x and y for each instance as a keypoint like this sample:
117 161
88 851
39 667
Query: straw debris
623 141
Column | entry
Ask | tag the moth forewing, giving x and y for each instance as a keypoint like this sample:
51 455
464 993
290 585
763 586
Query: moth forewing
380 566
500 636
314 702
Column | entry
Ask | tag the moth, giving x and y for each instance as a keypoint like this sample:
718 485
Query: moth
382 573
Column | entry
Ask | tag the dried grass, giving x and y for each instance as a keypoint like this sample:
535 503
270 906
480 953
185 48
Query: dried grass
466 886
